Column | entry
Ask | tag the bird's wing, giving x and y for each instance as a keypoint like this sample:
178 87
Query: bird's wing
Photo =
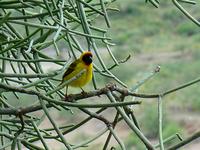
71 68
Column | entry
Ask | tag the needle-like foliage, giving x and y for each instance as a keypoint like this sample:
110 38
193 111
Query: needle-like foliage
36 34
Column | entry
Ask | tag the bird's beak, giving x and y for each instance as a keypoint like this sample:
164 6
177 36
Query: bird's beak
90 58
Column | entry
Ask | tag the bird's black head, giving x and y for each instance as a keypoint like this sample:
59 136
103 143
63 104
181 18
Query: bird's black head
87 58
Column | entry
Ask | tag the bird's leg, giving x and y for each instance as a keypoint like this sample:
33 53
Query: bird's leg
66 96
83 92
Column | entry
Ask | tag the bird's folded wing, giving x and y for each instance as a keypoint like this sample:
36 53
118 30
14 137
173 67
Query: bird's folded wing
71 68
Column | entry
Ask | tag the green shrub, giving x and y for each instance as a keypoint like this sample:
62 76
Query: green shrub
134 142
188 29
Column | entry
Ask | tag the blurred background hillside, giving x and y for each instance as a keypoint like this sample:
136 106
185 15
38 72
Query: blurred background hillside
164 37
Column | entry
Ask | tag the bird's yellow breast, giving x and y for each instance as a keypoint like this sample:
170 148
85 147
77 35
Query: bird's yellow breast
84 78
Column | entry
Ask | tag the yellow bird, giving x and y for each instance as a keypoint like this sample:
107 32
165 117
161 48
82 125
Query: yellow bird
83 62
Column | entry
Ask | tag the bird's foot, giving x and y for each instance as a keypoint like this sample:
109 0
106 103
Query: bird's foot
84 93
68 98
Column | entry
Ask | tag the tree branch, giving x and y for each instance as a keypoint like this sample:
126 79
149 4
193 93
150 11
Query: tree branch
186 141
76 97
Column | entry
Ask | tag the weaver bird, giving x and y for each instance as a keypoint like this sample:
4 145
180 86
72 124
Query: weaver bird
83 62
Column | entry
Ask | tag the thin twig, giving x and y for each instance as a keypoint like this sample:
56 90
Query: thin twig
110 134
131 125
186 141
160 123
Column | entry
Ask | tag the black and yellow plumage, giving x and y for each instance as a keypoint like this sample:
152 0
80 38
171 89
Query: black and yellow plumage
83 62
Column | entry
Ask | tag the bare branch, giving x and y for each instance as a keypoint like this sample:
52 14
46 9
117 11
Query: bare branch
186 141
